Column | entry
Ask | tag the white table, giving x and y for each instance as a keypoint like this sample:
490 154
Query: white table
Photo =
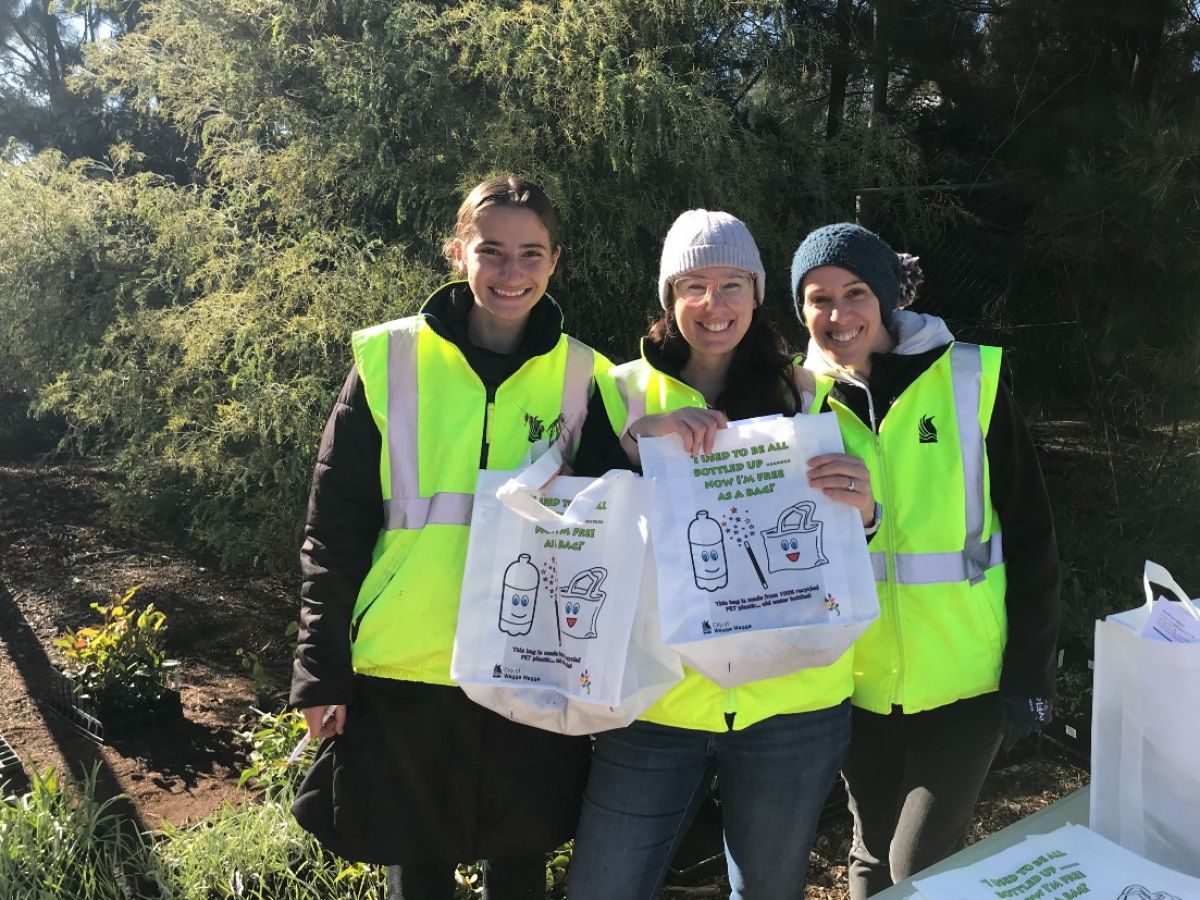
1071 809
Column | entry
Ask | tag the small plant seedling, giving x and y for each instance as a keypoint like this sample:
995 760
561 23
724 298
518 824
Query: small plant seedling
119 663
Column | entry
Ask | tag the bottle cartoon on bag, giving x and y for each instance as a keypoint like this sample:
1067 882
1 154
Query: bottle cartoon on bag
708 553
518 596
582 600
795 541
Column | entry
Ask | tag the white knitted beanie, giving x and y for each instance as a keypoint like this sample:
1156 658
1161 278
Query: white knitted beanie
701 238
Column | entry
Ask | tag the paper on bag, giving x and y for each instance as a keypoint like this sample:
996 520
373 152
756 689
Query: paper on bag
1171 622
1068 863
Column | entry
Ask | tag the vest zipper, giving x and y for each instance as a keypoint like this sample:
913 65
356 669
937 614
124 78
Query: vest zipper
488 409
889 553
890 557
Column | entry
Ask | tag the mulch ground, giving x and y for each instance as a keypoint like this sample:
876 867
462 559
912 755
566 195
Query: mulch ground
59 553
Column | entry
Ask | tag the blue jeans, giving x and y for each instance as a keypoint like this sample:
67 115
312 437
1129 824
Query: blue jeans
647 782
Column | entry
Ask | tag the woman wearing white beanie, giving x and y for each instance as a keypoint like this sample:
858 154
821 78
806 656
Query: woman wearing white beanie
775 745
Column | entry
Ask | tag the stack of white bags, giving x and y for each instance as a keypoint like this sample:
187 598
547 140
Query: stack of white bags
1143 842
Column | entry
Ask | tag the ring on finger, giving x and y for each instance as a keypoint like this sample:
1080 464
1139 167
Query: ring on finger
850 486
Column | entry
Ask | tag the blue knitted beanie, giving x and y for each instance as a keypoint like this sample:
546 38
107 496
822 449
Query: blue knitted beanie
851 247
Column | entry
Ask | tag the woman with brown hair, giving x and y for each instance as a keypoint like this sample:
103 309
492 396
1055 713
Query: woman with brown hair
413 774
774 745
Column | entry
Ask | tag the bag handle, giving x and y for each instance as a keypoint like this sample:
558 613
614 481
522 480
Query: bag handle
1153 573
594 578
802 511
519 493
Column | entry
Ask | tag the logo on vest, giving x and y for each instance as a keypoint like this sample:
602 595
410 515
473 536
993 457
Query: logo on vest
497 672
705 628
538 430
927 431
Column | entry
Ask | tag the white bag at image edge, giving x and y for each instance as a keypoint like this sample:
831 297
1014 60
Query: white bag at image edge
761 610
1145 789
581 651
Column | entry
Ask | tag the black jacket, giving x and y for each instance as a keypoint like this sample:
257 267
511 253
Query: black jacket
421 774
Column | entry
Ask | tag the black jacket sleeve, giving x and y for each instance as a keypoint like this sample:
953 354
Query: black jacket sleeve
1030 553
599 448
345 515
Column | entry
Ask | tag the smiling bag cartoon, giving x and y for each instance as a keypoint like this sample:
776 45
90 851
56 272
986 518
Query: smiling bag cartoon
795 541
582 600
518 596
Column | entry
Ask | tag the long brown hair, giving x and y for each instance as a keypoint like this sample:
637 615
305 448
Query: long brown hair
758 382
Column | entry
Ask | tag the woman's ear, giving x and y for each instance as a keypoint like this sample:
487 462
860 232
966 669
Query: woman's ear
460 254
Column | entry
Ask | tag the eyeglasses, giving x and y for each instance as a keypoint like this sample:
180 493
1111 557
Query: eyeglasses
730 288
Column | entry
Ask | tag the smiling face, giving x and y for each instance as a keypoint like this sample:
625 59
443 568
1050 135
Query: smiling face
842 315
708 560
580 617
790 548
713 323
508 260
518 609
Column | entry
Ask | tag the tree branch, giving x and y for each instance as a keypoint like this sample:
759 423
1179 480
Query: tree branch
16 51
39 64
753 81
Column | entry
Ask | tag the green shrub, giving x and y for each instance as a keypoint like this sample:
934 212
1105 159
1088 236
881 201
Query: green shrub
269 744
119 663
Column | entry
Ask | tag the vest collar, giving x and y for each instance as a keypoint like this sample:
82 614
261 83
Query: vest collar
914 333
447 308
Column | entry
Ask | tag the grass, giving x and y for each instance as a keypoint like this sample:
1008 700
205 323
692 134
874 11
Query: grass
254 851
53 846
67 845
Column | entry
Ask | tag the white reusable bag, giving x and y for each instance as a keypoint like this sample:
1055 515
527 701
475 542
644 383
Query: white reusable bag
1145 790
758 575
557 624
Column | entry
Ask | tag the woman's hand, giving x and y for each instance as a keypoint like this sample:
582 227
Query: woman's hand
324 721
697 427
844 478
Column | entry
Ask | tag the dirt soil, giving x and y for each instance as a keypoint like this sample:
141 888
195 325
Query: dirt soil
59 554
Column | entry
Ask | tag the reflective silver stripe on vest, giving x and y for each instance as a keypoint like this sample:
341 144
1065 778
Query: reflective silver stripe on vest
879 566
407 508
445 508
977 556
635 401
577 383
937 568
966 369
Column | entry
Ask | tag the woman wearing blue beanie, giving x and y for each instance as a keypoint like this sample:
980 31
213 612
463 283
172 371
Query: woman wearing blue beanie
774 745
962 657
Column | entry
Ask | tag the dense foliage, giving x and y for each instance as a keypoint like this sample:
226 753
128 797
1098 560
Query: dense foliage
203 200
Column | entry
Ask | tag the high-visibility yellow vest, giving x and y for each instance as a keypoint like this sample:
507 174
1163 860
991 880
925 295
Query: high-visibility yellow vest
631 391
938 557
439 426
